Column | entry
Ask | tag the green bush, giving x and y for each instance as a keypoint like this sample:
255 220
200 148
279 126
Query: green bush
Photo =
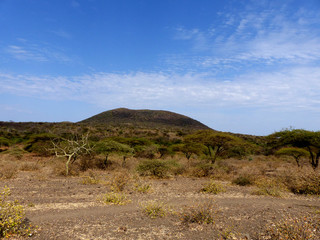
12 217
156 168
4 142
40 144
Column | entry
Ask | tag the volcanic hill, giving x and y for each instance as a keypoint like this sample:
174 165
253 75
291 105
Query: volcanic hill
144 118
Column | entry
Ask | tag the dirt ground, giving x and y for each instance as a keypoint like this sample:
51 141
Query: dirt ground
65 208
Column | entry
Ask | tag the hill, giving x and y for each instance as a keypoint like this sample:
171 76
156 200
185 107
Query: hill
145 118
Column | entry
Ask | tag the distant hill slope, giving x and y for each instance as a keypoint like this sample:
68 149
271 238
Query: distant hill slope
144 118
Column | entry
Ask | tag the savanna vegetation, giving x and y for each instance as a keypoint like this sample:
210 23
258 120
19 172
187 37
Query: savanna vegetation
124 158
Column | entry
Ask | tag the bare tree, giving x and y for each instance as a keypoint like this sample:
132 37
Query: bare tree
71 148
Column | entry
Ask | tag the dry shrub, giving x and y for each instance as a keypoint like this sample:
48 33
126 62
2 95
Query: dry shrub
244 180
202 169
91 178
16 152
251 169
29 166
59 168
100 163
213 188
8 170
296 228
200 214
120 181
306 182
269 187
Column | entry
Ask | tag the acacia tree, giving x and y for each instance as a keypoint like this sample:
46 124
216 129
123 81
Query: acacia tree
294 152
216 143
71 148
300 138
110 146
188 149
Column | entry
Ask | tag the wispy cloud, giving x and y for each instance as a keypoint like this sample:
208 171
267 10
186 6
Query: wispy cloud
61 33
271 36
26 51
20 53
289 89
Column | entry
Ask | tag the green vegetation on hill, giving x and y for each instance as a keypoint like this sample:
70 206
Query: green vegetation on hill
144 118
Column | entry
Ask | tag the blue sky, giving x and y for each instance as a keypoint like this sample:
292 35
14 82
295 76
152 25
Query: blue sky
240 66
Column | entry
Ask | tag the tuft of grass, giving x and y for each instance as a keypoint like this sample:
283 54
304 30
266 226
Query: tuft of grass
154 209
115 198
12 215
29 166
8 171
142 187
200 214
120 181
213 188
295 228
90 180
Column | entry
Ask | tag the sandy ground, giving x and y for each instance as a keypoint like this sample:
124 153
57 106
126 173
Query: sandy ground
65 208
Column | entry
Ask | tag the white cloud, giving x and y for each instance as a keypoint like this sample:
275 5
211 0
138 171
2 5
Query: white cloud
26 51
272 36
62 33
289 89
20 53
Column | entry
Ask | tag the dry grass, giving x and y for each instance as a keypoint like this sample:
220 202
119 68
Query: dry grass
295 228
8 170
154 209
201 214
269 187
114 198
29 166
91 178
302 181
244 180
212 188
120 181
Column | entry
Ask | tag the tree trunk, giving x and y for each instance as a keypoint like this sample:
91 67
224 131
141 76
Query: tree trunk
124 161
106 161
213 153
314 161
67 164
297 160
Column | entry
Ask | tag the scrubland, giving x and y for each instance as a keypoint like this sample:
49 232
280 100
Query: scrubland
152 189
